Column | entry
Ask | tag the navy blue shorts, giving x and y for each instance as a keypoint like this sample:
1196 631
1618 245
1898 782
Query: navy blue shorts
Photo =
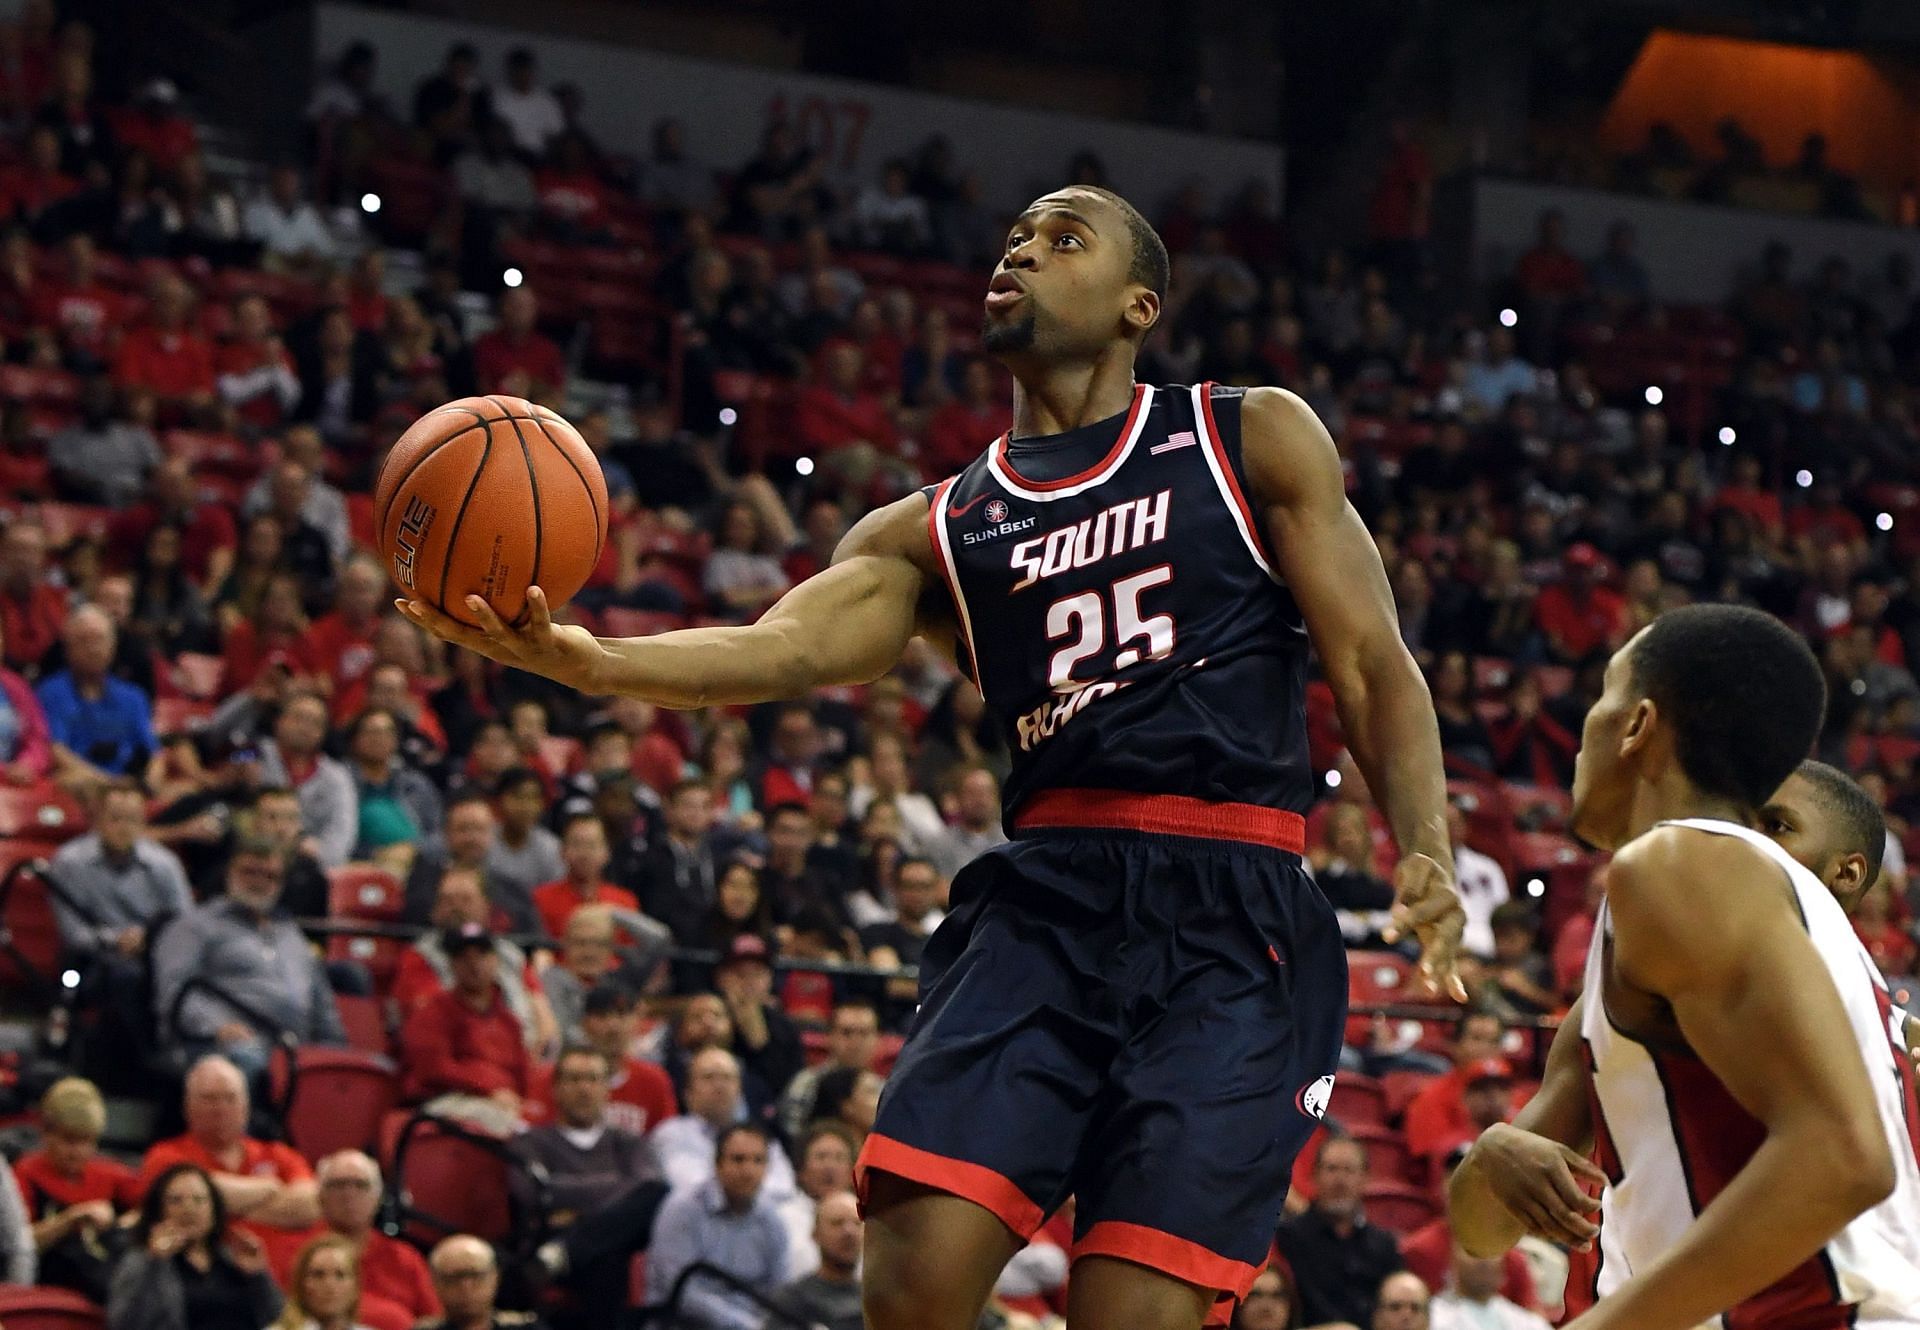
1148 1023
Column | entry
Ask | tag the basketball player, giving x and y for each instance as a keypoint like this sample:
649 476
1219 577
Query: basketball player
1733 1061
1139 1000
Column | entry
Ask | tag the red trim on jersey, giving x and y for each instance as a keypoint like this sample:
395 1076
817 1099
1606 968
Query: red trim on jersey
1215 442
1716 1138
951 575
987 1189
1167 814
1157 1250
1902 1068
1046 486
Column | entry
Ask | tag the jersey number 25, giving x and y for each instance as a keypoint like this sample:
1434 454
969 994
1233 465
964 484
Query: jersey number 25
1084 618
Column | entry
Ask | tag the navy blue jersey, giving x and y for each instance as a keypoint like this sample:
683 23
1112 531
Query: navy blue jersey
1119 610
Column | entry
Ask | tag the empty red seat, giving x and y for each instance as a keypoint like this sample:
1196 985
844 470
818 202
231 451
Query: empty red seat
365 891
29 933
1387 1153
1399 1207
338 1098
451 1180
40 812
365 1021
1357 1102
1380 976
43 1308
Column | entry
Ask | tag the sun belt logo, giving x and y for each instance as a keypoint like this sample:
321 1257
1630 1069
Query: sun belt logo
997 520
995 512
1313 1099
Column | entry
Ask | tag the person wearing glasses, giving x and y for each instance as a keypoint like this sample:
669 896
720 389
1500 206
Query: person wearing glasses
466 1275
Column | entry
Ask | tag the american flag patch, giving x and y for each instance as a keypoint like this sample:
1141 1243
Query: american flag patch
1184 439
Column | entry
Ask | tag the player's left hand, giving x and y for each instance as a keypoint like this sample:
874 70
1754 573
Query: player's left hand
1426 905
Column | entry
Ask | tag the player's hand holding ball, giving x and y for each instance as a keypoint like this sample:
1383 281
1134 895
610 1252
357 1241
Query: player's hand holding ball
490 513
1426 905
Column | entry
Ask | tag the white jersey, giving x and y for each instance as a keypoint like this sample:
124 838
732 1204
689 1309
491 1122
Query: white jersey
1671 1137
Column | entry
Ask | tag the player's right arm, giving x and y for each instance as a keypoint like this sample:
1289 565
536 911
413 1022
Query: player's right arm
1527 1176
1690 928
847 624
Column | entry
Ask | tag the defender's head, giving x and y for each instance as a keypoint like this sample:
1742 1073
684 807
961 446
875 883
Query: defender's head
1082 269
1825 820
1725 699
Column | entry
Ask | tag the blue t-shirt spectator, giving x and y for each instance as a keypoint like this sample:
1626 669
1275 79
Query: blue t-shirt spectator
112 730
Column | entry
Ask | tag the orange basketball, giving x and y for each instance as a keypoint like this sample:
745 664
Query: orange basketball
488 496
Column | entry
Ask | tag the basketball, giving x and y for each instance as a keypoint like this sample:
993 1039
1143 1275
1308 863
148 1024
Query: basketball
489 496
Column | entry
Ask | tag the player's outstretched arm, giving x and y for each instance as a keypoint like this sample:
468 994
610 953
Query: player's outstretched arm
1527 1176
847 624
1698 923
1330 563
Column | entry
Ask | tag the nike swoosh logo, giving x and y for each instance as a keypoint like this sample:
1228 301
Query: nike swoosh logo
969 506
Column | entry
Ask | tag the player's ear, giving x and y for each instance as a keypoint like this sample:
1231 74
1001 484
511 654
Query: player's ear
1639 729
1143 310
1847 879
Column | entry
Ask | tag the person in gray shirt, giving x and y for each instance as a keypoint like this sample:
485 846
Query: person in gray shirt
329 804
727 1222
978 829
587 952
830 1296
121 879
525 854
257 957
101 459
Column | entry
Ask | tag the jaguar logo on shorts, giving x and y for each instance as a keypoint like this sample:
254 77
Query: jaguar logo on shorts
995 513
1313 1099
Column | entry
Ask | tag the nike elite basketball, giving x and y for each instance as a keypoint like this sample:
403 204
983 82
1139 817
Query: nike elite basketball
489 496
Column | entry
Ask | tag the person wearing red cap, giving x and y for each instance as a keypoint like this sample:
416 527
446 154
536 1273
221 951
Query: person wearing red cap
1486 1099
463 1049
1577 614
1437 1118
763 1035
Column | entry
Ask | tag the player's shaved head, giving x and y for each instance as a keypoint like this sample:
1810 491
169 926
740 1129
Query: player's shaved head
1150 267
1822 817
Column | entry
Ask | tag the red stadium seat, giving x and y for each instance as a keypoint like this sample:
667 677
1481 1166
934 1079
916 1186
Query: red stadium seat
38 385
339 1097
365 1021
1357 1102
451 1179
1400 1207
365 891
1402 1087
30 946
1380 976
40 812
43 1308
380 956
197 675
1387 1153
28 475
179 715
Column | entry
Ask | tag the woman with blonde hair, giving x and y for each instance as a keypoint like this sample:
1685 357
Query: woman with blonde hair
323 1289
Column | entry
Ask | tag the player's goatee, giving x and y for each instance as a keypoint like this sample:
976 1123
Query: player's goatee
998 338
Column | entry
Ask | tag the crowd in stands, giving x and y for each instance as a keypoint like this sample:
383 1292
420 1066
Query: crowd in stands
658 957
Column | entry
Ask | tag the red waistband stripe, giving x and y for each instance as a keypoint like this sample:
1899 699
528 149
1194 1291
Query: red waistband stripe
1165 814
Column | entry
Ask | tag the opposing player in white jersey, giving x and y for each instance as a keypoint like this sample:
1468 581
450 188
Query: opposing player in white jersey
1732 1063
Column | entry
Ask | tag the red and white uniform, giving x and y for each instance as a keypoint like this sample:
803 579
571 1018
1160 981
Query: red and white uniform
1671 1137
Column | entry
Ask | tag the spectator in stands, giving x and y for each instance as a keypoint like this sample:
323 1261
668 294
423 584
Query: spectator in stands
101 726
86 140
444 103
1472 1299
742 577
1269 1304
590 953
524 854
467 842
1498 374
888 216
323 1287
1547 274
830 1296
1486 1101
188 1269
292 235
73 1195
167 356
255 371
765 1038
398 805
1437 1116
640 1091
463 1050
839 413
1618 277
1349 876
671 181
329 803
1530 744
1519 980
1337 1257
728 1221
396 1288
517 348
889 781
853 1042
425 970
1404 1303
306 549
467 1276
849 1097
262 978
169 615
265 1186
584 851
713 1101
791 881
82 310
1428 1252
677 882
496 191
116 883
26 749
209 537
271 639
530 113
35 191
101 458
605 1184
958 431
1579 615
33 608
339 387
1481 881
339 644
274 816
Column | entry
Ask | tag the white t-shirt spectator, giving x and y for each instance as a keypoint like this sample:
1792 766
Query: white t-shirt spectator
1483 889
533 117
298 232
1453 1312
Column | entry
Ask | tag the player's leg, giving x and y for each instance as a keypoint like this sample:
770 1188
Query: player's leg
1106 1293
930 1259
